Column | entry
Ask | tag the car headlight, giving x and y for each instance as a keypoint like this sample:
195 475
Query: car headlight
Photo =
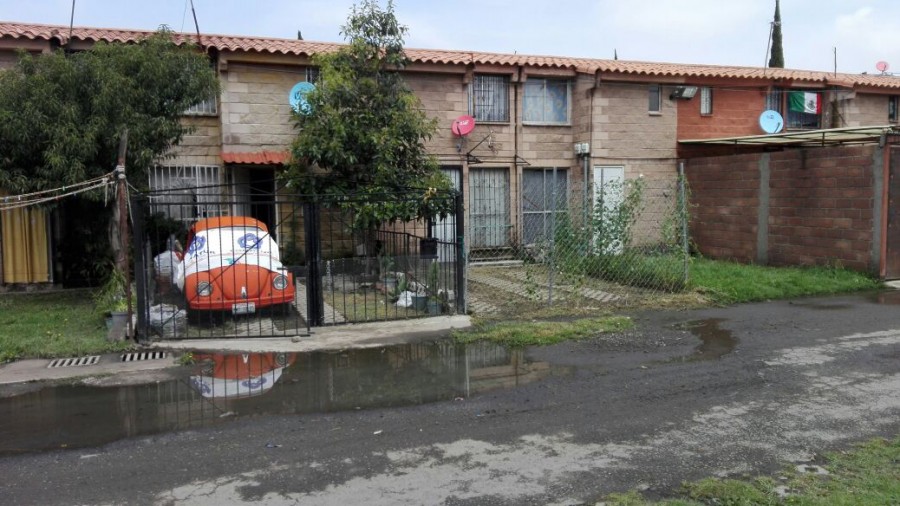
204 289
280 282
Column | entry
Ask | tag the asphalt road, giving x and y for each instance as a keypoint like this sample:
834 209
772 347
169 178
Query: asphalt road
770 384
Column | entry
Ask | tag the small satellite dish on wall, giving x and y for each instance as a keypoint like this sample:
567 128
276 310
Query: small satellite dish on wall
297 97
882 66
771 122
463 126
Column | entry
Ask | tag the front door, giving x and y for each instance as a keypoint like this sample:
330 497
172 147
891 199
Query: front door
489 208
444 229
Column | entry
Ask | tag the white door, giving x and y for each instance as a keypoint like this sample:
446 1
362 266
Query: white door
444 229
609 186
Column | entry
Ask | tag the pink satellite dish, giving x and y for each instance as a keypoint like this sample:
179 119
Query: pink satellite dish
882 66
463 125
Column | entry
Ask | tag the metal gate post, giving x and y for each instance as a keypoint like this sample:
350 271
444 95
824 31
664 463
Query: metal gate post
140 268
315 301
461 294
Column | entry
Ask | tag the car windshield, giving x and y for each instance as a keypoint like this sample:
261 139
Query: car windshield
218 247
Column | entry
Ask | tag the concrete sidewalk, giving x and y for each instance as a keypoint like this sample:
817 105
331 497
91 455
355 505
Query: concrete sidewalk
338 337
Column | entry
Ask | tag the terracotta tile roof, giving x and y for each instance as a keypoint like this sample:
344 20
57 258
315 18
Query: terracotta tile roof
587 65
256 157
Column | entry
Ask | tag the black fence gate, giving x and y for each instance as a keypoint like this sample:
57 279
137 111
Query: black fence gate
223 261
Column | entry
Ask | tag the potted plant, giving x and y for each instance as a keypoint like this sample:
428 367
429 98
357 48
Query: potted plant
110 299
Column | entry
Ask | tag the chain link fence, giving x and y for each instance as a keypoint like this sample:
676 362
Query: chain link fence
621 242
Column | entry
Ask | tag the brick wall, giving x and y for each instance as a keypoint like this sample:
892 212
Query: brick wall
724 206
820 207
623 127
735 112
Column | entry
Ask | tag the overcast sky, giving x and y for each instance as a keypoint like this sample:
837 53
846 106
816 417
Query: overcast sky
724 32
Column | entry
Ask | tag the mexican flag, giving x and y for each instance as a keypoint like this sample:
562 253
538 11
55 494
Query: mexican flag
802 101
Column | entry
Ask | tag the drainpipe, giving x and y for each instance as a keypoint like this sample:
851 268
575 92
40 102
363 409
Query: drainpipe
516 131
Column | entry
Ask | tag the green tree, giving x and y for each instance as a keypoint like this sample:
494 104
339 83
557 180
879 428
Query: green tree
777 58
365 130
61 115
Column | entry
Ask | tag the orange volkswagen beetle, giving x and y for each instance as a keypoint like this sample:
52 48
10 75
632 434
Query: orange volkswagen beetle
232 264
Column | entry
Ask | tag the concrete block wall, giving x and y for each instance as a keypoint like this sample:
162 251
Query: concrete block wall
724 207
203 146
813 206
624 128
864 109
821 207
254 107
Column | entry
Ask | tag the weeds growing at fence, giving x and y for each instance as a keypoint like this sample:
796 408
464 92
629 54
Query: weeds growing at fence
730 283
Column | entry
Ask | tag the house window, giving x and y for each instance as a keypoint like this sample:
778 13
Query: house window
489 98
655 96
893 103
800 109
546 101
206 108
544 200
312 74
803 110
185 193
706 101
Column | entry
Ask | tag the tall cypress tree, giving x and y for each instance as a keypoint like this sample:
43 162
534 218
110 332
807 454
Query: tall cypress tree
777 58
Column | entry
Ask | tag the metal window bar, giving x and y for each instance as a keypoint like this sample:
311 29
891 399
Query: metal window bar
489 98
208 107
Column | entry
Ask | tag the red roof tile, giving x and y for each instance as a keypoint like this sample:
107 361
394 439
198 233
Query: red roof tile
586 65
256 157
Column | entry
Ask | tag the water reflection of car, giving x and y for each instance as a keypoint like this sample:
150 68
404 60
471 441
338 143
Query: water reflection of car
238 375
232 264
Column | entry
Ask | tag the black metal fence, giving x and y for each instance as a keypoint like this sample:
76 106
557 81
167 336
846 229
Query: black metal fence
223 261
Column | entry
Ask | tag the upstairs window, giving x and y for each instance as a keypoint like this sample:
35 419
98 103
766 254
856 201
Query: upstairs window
655 98
489 98
893 103
800 109
546 101
706 101
312 75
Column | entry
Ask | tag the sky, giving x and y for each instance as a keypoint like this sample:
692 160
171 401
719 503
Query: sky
717 32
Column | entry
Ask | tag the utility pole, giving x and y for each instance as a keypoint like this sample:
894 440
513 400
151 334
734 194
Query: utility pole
122 201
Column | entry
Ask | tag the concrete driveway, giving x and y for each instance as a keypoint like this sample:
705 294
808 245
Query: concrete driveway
717 392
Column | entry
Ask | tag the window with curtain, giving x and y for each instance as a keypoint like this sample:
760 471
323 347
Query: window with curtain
546 101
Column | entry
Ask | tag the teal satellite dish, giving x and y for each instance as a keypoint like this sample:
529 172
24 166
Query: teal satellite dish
297 97
771 122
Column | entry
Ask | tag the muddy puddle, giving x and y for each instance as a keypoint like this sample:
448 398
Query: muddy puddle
715 341
222 387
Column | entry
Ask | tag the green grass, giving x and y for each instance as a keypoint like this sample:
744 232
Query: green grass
869 475
730 283
519 334
59 324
